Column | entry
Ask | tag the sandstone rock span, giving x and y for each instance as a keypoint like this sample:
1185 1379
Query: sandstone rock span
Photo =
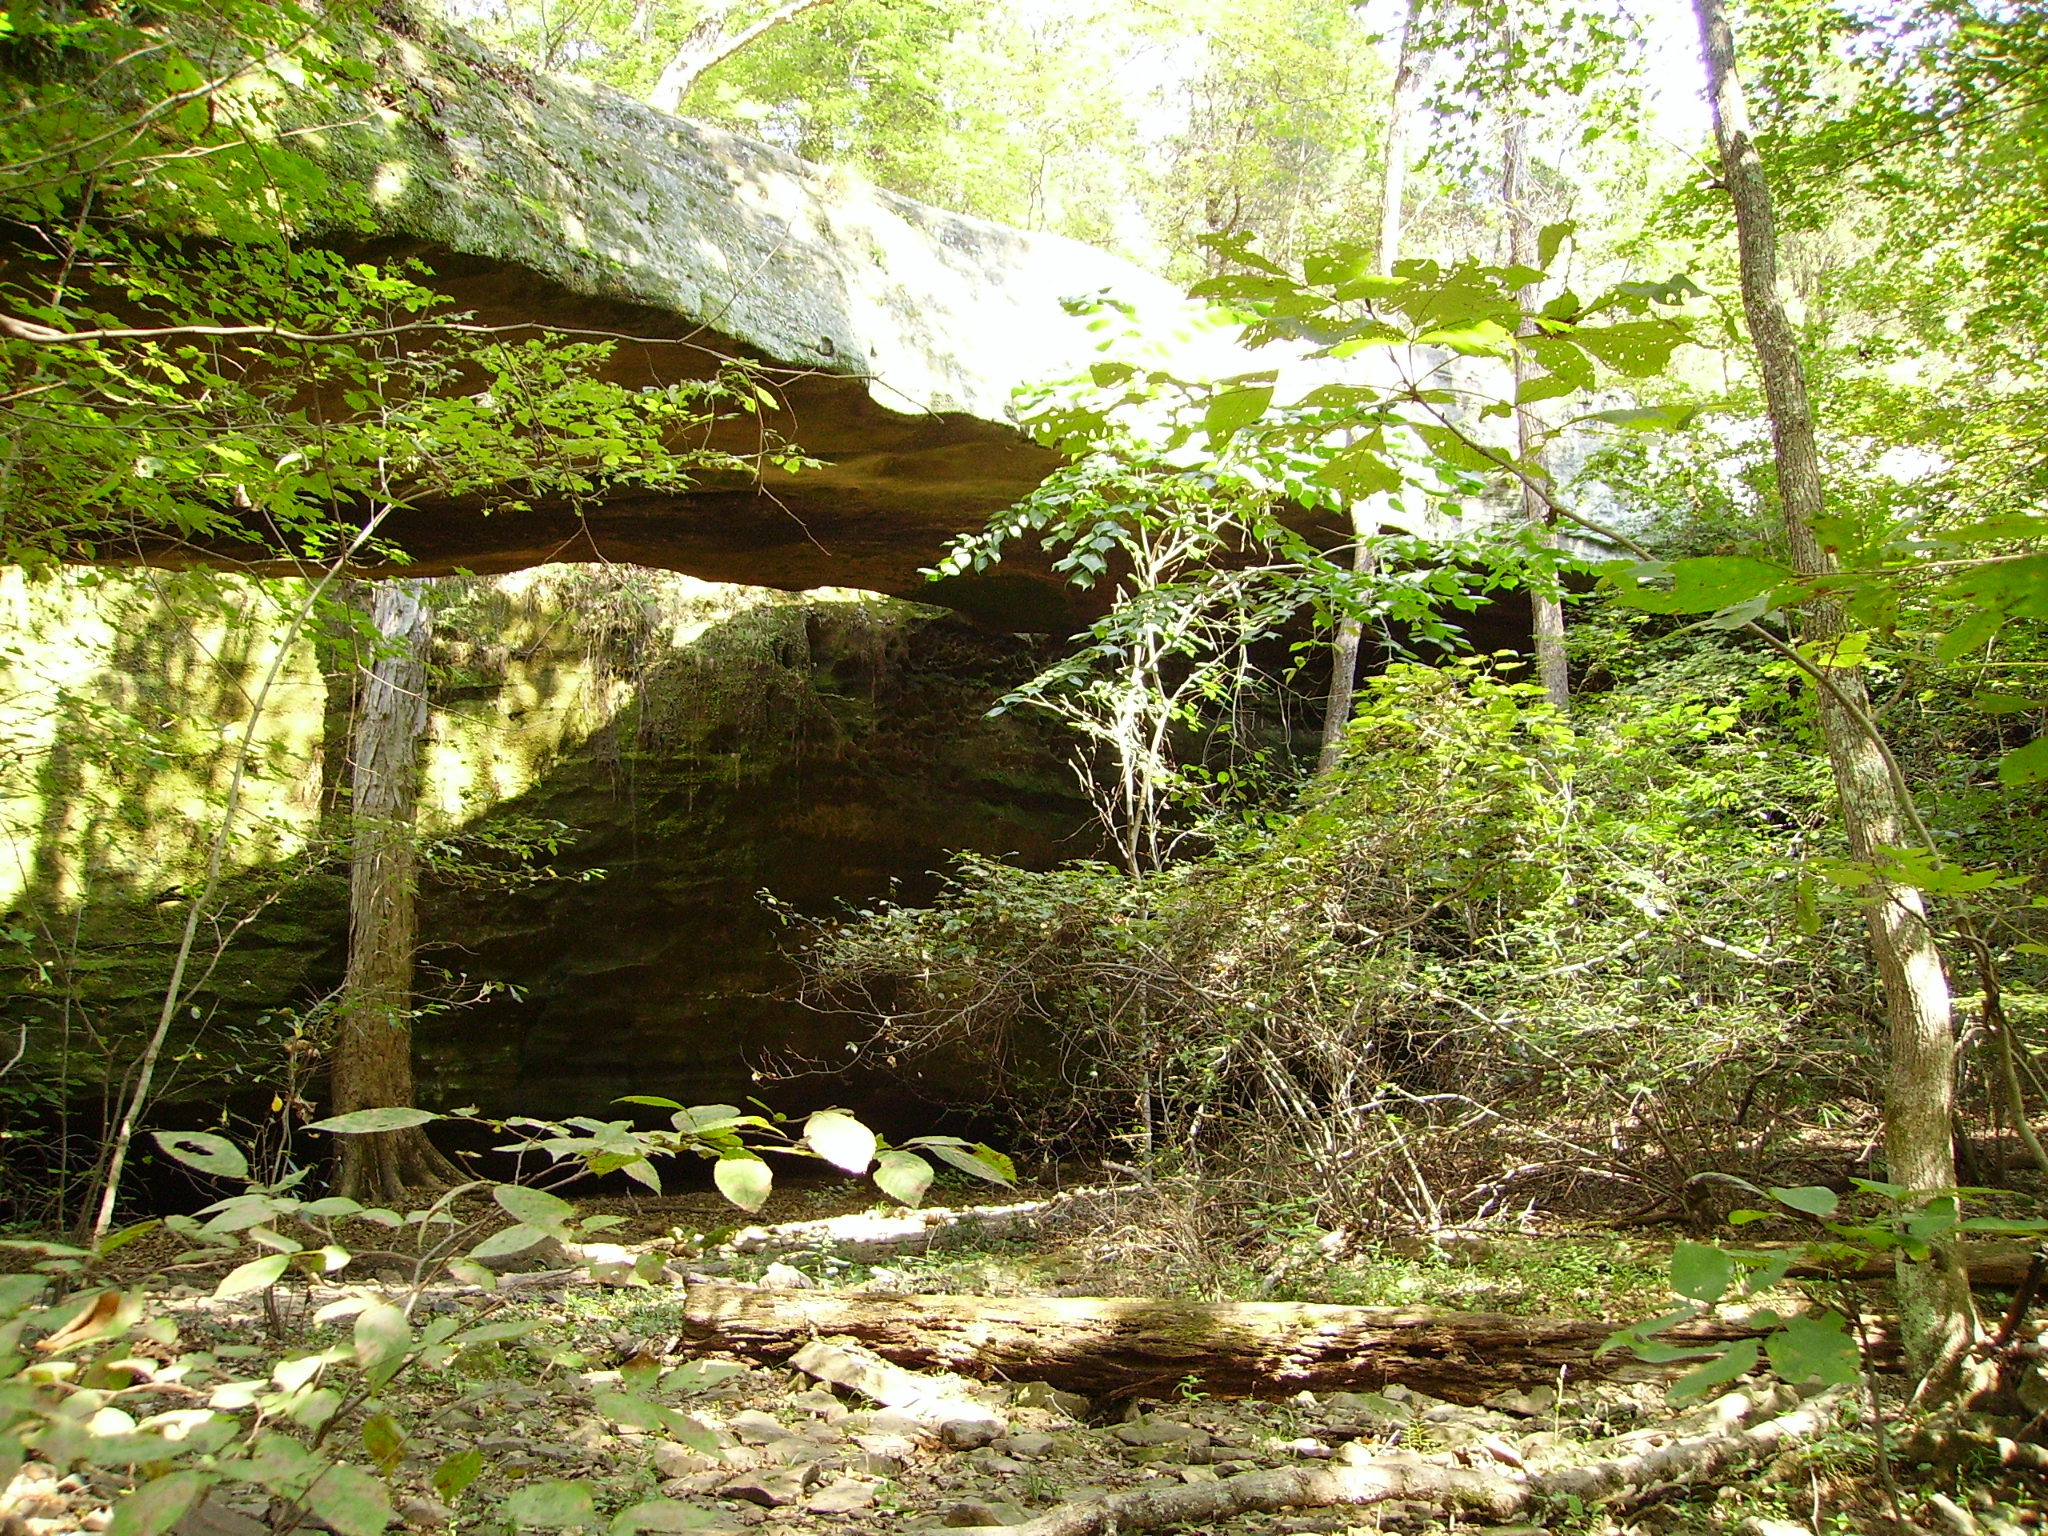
903 329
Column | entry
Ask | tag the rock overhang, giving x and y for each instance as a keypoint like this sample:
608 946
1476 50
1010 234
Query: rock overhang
896 333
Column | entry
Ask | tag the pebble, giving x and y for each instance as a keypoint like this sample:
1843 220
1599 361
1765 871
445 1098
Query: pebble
841 1496
995 1463
673 1460
1150 1432
1530 1404
757 1428
421 1510
1030 1447
1036 1394
771 1490
967 1434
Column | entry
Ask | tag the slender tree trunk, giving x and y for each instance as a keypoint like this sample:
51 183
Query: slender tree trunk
1400 112
1393 188
1546 607
710 42
373 1051
1938 1318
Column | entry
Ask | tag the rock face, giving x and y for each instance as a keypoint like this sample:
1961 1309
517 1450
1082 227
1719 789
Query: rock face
820 750
898 330
683 747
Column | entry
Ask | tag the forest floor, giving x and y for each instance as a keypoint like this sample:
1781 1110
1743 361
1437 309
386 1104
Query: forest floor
794 1457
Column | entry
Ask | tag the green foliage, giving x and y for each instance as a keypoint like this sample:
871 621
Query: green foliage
1812 1345
73 1391
1489 917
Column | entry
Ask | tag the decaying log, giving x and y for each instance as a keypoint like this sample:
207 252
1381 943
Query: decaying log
1992 1266
1737 1432
1122 1348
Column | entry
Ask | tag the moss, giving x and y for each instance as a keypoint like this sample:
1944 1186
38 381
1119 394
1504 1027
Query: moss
695 743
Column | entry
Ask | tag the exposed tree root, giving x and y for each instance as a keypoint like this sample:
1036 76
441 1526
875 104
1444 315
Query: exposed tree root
1730 1440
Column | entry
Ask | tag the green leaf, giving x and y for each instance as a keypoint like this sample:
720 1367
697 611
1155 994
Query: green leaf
1358 472
1233 410
114 1242
1740 1359
696 1376
385 1441
551 1505
331 1205
1699 585
1939 1217
982 1161
205 1151
2026 765
903 1176
840 1139
514 1239
351 1501
1701 1272
1813 1199
2004 1224
1637 349
1544 386
457 1472
158 1504
252 1276
1650 418
363 1122
743 1179
1550 240
636 1412
535 1208
382 1337
2006 703
1815 1346
1972 633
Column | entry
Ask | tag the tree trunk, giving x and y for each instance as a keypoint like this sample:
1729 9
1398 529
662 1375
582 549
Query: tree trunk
1393 187
1344 656
1394 174
1939 1323
373 1050
1105 1347
1546 607
710 43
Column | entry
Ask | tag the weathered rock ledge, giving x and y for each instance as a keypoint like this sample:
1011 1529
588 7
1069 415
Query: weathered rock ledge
903 329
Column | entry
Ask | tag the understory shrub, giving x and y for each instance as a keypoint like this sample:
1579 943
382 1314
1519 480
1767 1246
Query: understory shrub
1497 961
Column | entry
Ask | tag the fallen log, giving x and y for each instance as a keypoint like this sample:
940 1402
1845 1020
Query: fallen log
1121 1348
1992 1266
1739 1434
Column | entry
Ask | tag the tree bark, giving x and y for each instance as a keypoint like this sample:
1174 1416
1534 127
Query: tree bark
710 43
1393 188
372 1067
1112 1347
1939 1322
1546 608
